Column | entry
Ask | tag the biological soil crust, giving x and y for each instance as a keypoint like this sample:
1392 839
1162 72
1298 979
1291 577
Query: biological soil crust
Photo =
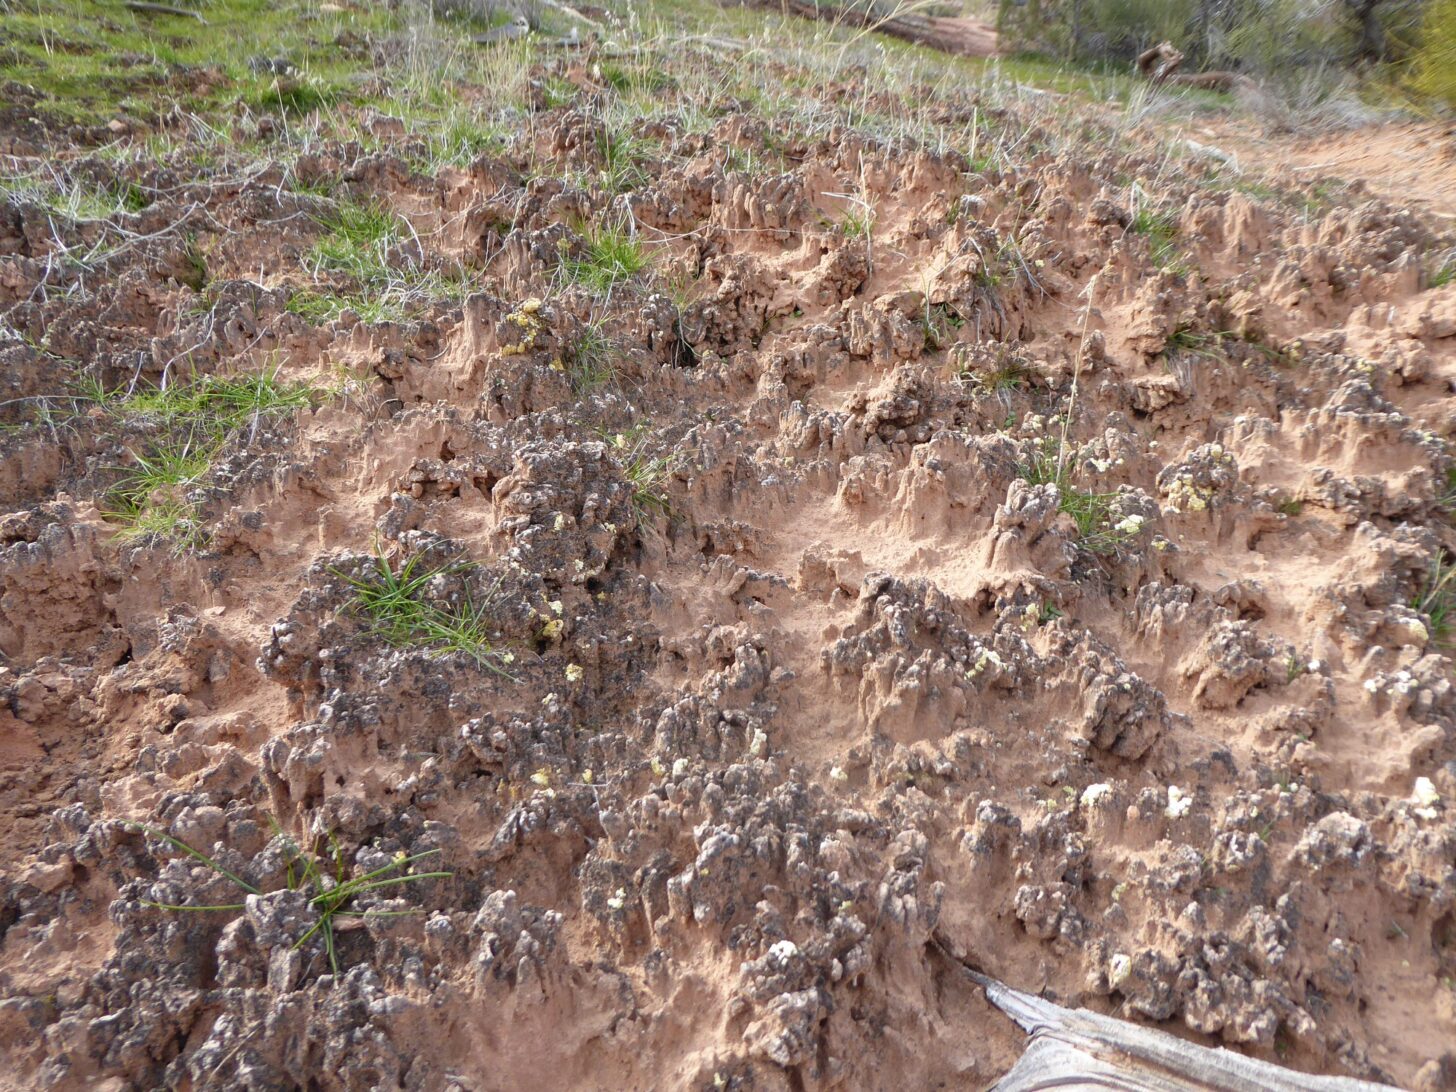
711 561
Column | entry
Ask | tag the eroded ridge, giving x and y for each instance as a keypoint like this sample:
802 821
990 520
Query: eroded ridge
798 562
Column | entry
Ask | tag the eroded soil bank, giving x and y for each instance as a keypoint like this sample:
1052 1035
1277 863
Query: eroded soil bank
915 548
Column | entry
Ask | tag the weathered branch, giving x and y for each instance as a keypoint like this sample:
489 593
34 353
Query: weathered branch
946 35
1075 1047
163 9
1160 65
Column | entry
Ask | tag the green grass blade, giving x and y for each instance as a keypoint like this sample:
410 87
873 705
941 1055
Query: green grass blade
375 913
395 881
398 862
203 857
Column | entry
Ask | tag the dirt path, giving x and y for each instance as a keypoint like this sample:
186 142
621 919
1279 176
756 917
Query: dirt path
1411 165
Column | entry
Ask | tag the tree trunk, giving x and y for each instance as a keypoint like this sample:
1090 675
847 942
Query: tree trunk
1372 34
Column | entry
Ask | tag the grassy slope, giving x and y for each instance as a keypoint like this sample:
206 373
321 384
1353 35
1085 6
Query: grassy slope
88 62
200 94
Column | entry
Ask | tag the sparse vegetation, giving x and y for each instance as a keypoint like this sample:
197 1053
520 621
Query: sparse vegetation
858 223
1274 39
357 241
800 563
1447 499
334 891
1161 231
459 140
150 501
1091 512
589 361
647 474
622 170
1436 598
184 428
939 322
402 607
1294 667
1006 370
611 255
1433 68
378 253
71 196
1187 339
1442 273
212 405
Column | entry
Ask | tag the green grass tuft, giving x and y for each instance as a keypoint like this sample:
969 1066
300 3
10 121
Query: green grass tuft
210 407
1186 339
375 249
1091 512
647 474
589 361
858 223
459 141
188 426
1437 598
150 499
1161 230
939 322
402 613
357 241
1006 371
1447 499
622 171
333 894
611 256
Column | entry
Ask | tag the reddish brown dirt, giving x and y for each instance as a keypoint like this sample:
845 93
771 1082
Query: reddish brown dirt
813 654
1407 165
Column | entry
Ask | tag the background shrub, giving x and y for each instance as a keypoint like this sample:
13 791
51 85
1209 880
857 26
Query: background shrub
1274 39
1434 65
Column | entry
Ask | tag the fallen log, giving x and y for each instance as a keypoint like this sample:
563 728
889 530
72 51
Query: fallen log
960 36
1071 1048
566 9
510 32
1160 65
147 7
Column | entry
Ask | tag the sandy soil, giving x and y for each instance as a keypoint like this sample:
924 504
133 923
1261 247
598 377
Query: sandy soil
1404 164
806 654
